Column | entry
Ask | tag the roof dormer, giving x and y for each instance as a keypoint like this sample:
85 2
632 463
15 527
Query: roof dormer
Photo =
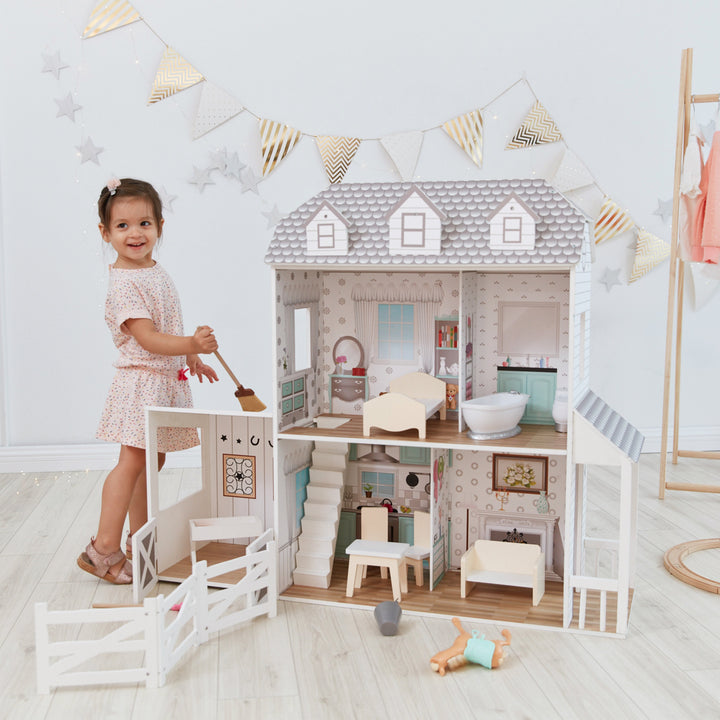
512 225
326 232
415 225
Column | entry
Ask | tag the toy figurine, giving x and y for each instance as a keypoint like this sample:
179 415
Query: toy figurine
470 648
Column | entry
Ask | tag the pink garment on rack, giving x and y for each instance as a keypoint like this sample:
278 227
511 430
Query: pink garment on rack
707 218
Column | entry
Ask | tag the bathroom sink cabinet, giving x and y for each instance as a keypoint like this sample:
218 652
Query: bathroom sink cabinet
539 383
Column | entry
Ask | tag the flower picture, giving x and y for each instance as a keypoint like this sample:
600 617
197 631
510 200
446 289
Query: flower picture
519 473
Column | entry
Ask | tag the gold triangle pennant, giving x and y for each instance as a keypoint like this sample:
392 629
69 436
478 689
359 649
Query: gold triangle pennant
173 75
467 131
110 15
611 221
277 141
649 252
337 154
537 128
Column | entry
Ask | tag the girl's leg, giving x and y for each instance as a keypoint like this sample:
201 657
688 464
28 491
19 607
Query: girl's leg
116 495
137 513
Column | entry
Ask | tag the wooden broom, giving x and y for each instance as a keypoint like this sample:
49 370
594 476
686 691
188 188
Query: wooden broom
248 400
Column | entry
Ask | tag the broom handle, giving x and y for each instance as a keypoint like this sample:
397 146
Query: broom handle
229 371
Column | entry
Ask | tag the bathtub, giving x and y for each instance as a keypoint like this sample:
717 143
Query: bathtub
495 416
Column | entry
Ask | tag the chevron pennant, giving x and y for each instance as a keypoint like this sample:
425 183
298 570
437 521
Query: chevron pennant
215 108
649 252
404 149
537 128
467 131
174 74
277 141
110 15
611 221
337 154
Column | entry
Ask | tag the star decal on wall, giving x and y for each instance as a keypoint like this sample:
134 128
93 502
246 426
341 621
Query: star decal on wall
664 209
219 160
53 64
223 438
610 278
233 166
89 151
167 199
67 107
249 181
201 178
273 216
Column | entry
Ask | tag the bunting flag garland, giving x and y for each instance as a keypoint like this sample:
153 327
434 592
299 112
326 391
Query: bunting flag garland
538 128
404 150
337 154
277 141
650 251
215 107
173 75
611 221
570 173
467 131
110 15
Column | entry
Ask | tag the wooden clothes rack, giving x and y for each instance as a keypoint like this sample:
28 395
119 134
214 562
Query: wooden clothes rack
673 341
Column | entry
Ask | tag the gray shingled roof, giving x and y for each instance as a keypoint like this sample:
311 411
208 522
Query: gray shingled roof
465 233
611 424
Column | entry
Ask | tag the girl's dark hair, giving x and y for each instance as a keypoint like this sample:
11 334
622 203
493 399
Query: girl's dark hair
129 187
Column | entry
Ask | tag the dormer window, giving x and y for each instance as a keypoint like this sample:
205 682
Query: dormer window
513 225
512 230
326 236
413 230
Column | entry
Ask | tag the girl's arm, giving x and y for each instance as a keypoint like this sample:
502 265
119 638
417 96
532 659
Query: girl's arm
143 330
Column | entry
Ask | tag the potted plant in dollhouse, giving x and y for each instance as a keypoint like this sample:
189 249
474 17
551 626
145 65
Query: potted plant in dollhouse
368 489
339 361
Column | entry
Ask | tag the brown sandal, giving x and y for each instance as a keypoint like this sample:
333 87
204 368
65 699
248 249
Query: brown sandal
128 546
93 562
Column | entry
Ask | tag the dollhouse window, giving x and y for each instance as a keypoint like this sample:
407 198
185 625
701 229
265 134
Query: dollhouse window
413 230
512 230
396 332
302 336
326 235
383 484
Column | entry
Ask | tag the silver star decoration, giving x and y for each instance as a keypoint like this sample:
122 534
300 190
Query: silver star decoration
219 160
233 166
89 151
249 181
167 199
610 278
664 209
67 107
201 178
707 130
273 216
53 63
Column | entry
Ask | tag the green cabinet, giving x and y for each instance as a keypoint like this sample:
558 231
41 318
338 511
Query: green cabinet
414 455
346 532
540 385
405 530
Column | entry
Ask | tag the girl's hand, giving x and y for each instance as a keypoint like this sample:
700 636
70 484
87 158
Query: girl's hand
199 368
204 340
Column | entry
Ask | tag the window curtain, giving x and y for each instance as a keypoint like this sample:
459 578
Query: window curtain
426 297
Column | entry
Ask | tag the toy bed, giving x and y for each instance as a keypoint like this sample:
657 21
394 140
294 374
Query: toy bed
412 399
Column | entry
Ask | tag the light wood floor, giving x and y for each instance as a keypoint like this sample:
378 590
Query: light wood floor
316 661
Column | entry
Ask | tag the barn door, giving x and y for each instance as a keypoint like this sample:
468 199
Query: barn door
145 570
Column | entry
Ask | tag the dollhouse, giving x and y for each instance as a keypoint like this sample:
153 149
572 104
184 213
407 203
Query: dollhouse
484 285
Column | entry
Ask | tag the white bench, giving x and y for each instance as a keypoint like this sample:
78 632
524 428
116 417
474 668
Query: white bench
504 563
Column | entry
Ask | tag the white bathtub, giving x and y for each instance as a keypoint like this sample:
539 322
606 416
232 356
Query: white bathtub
495 416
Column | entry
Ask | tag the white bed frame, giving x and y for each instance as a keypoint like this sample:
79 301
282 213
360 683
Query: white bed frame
412 399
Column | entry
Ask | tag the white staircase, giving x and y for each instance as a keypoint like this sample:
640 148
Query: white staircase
318 529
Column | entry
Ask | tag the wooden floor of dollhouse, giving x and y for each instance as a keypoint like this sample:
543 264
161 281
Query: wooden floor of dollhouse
443 433
498 604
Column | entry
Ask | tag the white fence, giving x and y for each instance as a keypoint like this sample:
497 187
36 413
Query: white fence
147 641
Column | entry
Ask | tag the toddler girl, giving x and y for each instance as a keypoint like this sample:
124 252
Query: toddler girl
142 310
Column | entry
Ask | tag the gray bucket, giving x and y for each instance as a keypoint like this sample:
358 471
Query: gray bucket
387 615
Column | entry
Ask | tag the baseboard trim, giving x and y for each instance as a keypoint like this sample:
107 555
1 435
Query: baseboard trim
61 458
690 438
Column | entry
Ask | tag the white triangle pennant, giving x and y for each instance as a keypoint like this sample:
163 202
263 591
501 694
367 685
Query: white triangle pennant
215 107
404 150
570 173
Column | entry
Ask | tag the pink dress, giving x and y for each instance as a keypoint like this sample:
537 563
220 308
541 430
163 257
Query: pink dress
707 216
143 378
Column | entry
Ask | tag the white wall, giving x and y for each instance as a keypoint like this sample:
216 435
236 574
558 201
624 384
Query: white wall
606 72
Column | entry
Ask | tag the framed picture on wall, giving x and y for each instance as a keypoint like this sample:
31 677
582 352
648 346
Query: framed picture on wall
239 476
519 473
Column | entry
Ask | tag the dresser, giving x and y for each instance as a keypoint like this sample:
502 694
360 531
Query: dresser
348 387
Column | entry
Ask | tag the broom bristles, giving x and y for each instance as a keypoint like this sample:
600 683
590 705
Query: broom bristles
249 401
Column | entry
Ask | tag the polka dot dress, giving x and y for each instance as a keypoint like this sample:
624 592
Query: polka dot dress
143 378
